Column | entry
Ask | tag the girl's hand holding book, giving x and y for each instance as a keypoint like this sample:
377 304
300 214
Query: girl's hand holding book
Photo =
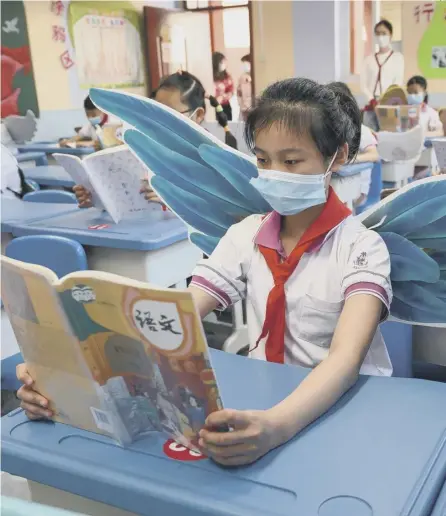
83 196
34 405
252 435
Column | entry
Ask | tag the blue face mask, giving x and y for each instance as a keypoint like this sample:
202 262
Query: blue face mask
415 98
288 193
95 120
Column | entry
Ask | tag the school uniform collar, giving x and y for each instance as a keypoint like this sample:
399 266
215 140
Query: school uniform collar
268 234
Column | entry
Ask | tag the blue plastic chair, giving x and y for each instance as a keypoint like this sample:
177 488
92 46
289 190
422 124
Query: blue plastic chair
38 157
398 339
61 255
51 196
376 185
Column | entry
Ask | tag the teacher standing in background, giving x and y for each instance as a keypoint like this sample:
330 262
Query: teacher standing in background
382 69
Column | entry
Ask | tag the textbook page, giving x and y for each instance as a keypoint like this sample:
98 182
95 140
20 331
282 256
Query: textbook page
75 167
117 174
146 348
48 345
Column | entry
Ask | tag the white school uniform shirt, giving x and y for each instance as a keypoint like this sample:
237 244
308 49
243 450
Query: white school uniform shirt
392 72
10 179
367 140
349 260
430 119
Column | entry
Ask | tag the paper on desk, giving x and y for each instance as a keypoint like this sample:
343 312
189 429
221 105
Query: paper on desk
439 145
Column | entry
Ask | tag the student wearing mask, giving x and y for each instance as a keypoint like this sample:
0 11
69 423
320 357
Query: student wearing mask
384 68
308 302
429 117
87 137
368 149
184 93
244 88
224 85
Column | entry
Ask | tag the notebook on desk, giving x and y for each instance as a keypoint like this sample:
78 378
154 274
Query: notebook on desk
115 356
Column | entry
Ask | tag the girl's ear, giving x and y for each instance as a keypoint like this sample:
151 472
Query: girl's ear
341 158
199 115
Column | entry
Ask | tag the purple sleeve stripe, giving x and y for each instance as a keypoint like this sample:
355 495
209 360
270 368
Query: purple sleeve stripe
368 288
207 286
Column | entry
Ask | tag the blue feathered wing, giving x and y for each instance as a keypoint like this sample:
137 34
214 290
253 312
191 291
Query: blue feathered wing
207 184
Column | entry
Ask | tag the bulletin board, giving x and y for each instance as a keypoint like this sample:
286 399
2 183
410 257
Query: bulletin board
424 41
18 91
107 43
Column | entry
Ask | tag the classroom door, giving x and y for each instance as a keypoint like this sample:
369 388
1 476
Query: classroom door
178 40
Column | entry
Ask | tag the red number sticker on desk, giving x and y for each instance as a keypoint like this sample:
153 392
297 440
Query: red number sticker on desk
179 452
99 226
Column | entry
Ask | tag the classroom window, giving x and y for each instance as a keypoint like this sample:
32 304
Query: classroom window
236 28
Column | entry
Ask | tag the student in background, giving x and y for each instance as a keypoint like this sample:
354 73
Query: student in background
315 280
368 149
13 182
429 117
224 85
184 93
87 137
244 88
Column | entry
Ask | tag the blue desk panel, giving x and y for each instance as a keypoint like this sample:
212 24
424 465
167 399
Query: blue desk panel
148 231
51 148
38 157
16 211
50 176
353 170
381 451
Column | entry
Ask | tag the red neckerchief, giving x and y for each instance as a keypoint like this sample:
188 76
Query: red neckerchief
334 213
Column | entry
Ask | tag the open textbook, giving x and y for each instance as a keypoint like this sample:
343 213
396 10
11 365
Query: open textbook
113 176
439 145
113 355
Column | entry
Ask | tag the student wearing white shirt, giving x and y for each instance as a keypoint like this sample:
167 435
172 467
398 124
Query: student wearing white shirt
87 136
315 280
383 69
12 180
368 150
429 117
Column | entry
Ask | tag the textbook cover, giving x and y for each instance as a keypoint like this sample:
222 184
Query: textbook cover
113 355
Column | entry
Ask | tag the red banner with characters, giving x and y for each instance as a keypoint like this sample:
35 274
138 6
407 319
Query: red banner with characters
18 90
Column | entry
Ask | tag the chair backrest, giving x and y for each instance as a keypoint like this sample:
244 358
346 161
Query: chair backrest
401 147
376 185
61 255
51 196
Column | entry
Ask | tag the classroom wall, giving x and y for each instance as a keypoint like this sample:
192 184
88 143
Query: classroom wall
59 111
273 42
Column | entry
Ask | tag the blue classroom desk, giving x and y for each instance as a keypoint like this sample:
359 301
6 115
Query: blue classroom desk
153 246
39 158
381 451
16 211
52 148
52 175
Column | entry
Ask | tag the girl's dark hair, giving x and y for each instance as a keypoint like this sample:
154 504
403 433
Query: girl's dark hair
327 113
193 95
191 90
421 81
217 58
246 58
88 104
386 24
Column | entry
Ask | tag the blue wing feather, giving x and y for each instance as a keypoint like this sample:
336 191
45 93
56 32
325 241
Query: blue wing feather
409 262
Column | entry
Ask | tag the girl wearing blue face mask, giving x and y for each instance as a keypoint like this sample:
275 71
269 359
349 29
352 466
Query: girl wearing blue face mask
429 117
315 280
87 136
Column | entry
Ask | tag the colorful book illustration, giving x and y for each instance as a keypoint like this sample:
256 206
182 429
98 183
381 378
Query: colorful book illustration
113 176
113 355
